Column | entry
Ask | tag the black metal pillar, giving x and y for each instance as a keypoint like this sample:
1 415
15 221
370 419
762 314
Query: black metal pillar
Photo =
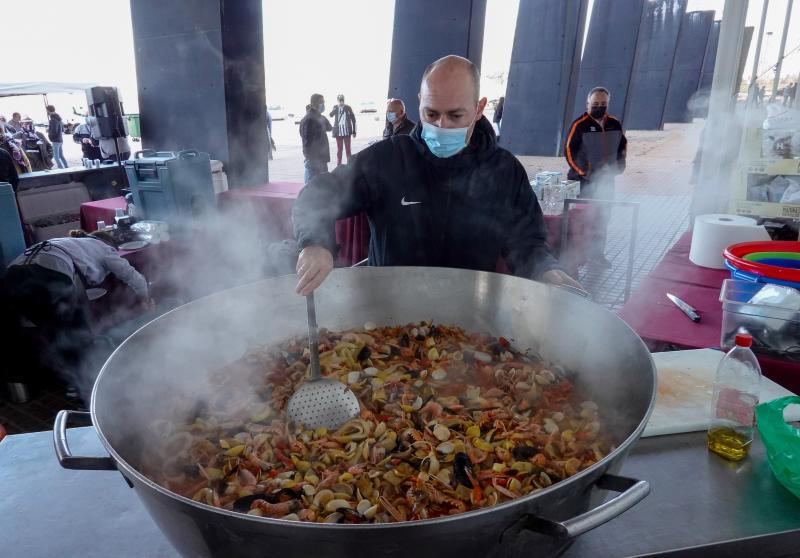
609 52
652 66
710 58
543 76
688 65
200 71
425 31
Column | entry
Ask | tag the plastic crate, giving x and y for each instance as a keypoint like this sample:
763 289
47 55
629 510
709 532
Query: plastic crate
775 330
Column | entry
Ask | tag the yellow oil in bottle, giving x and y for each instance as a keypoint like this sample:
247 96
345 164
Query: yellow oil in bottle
728 443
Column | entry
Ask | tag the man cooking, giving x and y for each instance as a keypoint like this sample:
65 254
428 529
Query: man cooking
446 195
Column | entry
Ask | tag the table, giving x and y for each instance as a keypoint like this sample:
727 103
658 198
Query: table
662 325
579 236
100 210
272 203
696 499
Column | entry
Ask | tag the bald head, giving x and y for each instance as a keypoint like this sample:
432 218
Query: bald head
449 93
452 67
396 106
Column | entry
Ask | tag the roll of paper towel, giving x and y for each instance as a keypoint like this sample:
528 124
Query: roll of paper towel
713 233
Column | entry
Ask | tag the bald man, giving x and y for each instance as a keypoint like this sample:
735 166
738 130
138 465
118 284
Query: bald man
444 196
397 121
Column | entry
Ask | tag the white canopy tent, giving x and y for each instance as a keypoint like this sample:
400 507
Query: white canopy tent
41 88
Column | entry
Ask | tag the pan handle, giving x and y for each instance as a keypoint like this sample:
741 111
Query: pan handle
65 457
631 491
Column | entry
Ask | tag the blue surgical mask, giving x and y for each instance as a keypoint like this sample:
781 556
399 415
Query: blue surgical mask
444 142
322 107
391 116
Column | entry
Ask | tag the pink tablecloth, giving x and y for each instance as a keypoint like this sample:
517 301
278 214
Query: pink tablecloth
100 210
659 322
271 204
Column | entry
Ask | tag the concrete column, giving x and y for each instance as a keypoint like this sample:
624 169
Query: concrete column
608 56
720 139
687 66
779 65
424 32
710 58
200 72
543 76
652 66
747 40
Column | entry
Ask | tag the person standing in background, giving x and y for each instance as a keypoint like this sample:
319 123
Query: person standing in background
595 150
397 121
498 113
55 133
344 126
270 141
313 133
89 146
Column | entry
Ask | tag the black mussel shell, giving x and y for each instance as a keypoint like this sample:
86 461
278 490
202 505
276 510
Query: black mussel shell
350 516
461 466
524 452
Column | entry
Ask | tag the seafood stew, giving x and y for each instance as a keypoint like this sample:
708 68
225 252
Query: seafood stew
450 422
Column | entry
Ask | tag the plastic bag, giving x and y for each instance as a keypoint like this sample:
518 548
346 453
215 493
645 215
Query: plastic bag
782 442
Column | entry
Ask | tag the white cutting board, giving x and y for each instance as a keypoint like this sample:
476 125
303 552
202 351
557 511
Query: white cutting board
683 398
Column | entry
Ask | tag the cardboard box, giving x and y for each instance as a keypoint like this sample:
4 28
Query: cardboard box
757 189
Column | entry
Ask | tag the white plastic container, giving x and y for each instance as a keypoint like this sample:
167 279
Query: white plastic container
218 177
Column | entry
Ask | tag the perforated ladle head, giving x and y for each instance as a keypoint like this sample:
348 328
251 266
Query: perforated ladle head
321 402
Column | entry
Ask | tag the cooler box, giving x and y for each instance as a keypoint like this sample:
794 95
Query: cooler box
173 187
12 242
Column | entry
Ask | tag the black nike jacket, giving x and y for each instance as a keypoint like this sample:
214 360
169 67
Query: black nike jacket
465 211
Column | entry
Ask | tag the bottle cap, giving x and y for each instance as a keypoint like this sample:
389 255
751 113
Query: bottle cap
744 339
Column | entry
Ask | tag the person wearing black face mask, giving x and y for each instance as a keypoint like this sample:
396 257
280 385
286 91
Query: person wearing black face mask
595 150
313 133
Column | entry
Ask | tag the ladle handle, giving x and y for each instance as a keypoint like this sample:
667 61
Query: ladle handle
313 337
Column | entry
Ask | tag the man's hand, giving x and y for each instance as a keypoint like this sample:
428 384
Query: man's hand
558 277
354 134
313 266
87 141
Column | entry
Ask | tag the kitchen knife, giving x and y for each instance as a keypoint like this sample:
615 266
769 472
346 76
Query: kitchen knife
685 308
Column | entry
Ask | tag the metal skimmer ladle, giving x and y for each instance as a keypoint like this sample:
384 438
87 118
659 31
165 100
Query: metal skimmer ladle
321 402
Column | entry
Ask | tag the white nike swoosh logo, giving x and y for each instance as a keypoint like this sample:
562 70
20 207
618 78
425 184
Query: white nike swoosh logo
404 202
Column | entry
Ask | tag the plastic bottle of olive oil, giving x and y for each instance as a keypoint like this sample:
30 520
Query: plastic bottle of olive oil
736 389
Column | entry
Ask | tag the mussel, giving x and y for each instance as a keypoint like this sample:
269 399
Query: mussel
350 516
523 453
462 469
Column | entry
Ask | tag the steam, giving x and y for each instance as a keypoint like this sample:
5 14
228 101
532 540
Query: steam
224 249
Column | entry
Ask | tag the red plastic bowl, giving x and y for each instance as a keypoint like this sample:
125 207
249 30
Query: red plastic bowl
735 255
